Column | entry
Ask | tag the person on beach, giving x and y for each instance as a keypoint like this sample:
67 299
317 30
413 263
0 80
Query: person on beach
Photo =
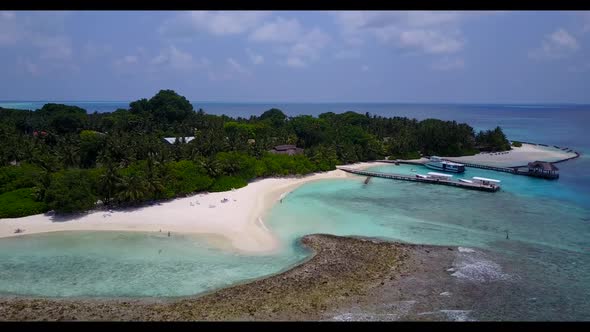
168 234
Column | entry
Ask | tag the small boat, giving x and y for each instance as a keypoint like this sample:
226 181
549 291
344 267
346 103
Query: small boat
439 176
486 181
446 166
465 180
420 176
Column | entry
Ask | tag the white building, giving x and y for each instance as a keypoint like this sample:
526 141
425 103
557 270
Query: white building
171 140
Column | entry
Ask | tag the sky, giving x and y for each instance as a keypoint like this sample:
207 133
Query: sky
297 56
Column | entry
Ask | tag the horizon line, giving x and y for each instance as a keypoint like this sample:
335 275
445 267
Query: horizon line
309 102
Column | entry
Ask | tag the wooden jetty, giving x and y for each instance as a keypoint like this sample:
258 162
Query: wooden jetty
393 176
491 168
538 169
544 170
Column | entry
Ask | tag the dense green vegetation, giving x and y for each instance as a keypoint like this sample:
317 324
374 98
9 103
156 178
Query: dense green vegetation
492 140
67 160
516 144
20 203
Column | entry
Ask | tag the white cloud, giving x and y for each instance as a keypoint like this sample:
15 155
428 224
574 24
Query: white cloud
306 49
310 44
176 59
40 41
430 41
7 15
449 64
295 62
255 58
168 59
299 47
347 54
423 31
54 48
558 44
233 69
280 30
9 29
128 60
187 24
235 66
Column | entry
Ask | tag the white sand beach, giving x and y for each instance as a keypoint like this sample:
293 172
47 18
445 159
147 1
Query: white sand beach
517 156
240 219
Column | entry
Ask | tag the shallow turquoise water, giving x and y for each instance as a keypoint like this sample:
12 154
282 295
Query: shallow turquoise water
423 213
128 264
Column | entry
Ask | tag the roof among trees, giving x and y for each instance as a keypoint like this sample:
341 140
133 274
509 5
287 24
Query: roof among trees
544 165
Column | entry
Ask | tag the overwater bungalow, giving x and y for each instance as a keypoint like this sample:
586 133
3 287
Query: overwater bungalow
543 169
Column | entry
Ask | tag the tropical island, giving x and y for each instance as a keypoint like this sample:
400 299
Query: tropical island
60 158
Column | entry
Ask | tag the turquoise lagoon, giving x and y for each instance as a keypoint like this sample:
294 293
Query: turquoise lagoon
547 254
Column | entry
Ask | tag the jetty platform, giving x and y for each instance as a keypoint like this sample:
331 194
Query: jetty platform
403 177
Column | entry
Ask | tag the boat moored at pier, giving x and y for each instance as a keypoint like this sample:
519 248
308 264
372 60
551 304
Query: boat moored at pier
486 182
439 164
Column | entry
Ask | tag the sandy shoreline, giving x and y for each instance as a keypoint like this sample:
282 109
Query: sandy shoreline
240 220
517 156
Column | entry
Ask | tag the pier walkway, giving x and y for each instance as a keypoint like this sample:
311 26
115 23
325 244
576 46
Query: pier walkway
464 185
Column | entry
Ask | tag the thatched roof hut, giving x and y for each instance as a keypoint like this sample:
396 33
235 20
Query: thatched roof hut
542 166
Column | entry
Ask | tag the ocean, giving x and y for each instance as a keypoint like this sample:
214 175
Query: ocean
544 266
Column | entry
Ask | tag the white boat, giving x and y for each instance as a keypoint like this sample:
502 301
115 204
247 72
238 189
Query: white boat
446 166
420 176
465 180
486 181
439 176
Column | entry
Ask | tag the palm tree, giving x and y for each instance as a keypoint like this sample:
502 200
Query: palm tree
211 165
108 183
132 189
154 184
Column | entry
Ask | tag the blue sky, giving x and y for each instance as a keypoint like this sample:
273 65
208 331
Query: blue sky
324 56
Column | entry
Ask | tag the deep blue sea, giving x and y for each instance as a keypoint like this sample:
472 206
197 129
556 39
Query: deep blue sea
545 264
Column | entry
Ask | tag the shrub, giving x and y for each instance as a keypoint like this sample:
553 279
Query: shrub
20 203
225 183
70 191
186 177
516 144
16 177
